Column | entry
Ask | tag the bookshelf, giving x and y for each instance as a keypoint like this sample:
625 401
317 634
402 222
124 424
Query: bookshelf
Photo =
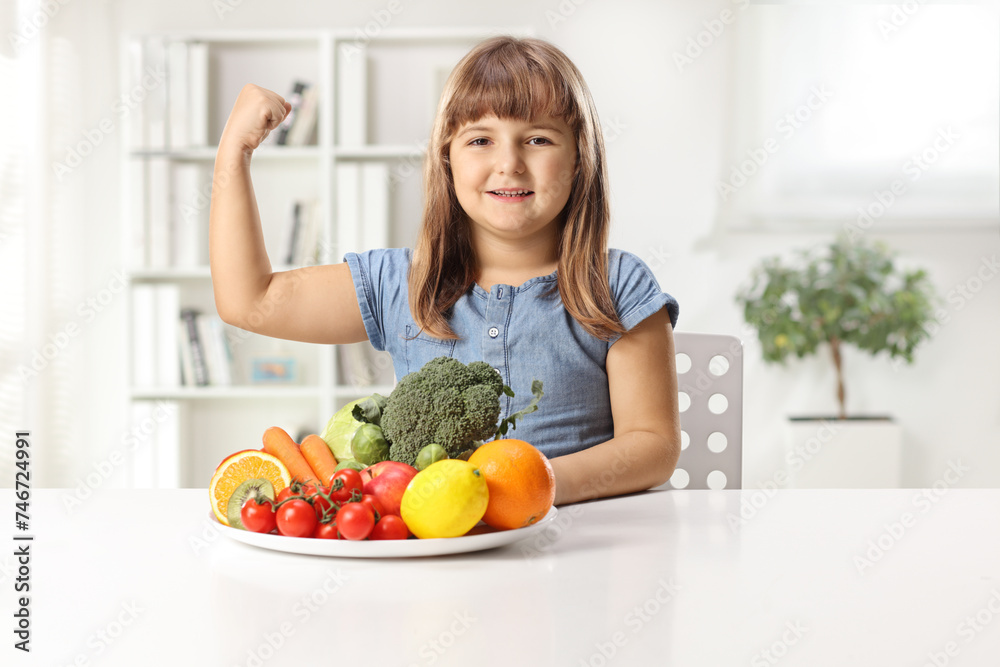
354 171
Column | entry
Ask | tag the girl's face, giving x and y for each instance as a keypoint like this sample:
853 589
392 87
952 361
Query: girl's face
513 177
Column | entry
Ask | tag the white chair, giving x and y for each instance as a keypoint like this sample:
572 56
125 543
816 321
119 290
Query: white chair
710 382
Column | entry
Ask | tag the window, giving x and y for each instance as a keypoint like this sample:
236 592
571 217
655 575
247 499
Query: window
864 115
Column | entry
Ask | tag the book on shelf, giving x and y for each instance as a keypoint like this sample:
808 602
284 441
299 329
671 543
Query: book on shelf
168 304
352 94
136 183
196 349
187 232
135 118
362 206
158 218
303 129
206 355
144 367
187 94
169 209
303 233
154 336
177 94
298 127
150 92
167 94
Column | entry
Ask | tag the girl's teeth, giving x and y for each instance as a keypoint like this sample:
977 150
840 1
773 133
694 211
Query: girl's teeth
512 194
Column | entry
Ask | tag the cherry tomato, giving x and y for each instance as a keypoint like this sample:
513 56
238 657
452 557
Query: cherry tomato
374 504
258 516
326 531
343 485
355 521
389 527
296 489
296 518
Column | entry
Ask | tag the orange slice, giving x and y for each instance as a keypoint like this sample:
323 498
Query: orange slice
239 467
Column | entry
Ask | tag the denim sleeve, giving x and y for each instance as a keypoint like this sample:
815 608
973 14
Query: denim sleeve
636 292
380 282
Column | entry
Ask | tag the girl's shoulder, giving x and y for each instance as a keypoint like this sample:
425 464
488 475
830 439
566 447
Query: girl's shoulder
626 266
382 261
635 289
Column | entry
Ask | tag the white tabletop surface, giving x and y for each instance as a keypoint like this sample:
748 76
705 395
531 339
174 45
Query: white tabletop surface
820 577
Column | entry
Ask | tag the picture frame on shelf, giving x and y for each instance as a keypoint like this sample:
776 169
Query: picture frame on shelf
274 370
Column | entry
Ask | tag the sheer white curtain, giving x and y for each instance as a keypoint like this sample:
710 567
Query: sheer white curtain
42 335
837 104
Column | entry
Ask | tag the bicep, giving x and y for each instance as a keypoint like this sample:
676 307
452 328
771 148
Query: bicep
313 304
642 379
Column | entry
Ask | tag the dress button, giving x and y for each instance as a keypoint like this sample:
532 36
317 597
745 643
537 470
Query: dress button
494 332
498 372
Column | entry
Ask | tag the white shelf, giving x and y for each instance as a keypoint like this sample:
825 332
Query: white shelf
209 152
378 152
268 392
180 273
359 390
370 151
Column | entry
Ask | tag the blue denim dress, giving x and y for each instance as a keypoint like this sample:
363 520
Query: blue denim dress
524 332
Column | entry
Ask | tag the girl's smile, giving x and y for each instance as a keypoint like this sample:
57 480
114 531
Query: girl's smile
510 194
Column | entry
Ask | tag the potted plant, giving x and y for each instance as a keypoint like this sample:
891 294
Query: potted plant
848 292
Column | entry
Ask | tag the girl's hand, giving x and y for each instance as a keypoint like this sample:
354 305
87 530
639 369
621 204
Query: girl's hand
256 112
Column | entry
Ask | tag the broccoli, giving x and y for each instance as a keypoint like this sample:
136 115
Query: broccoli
445 402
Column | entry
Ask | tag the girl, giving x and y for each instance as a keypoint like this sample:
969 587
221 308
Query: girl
511 267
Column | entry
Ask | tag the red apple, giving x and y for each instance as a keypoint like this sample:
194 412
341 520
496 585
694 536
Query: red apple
387 481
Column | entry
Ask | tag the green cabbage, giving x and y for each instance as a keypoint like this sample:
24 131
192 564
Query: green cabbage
340 431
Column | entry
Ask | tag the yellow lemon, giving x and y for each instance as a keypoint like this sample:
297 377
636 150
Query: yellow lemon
445 499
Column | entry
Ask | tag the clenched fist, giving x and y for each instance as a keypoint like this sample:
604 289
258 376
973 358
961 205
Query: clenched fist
256 112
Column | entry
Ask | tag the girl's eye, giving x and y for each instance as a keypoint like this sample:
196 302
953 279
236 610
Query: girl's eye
540 139
474 142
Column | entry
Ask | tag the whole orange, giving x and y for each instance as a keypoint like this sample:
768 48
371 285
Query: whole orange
520 480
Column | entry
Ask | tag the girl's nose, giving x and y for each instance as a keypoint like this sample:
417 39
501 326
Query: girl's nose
509 160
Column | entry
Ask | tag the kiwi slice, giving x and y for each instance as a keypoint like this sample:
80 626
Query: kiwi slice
247 489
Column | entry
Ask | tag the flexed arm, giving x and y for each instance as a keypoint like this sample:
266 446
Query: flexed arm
314 304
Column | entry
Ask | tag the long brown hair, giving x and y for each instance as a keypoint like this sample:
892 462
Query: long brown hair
517 79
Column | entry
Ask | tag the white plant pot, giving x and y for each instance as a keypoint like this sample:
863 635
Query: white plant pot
859 453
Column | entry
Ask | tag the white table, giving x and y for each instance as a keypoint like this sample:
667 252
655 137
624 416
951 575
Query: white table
143 578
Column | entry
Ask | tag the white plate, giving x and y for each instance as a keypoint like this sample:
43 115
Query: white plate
488 539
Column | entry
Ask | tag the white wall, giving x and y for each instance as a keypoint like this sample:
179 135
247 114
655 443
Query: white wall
665 153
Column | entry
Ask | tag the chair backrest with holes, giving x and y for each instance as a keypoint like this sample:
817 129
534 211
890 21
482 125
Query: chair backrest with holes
710 382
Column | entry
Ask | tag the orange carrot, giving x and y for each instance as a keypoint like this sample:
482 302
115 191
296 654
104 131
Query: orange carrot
280 444
320 458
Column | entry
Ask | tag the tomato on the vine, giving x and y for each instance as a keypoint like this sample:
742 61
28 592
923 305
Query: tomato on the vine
375 504
344 484
322 504
257 515
326 531
390 527
296 518
355 521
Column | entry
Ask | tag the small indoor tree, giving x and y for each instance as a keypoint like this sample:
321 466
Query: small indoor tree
845 293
